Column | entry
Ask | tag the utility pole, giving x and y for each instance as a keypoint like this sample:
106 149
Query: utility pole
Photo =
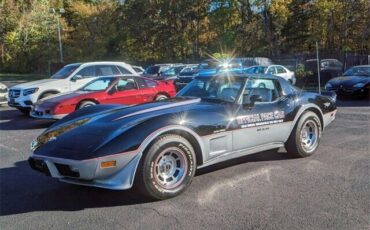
60 12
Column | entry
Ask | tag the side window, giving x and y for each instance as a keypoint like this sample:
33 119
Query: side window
271 70
123 70
150 83
280 69
126 84
141 82
267 89
87 72
106 70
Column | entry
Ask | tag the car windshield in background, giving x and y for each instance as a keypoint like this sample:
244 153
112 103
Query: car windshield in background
65 72
152 70
218 88
256 70
209 65
172 71
99 84
358 71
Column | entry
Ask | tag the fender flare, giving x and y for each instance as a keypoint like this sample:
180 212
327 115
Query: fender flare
310 106
149 139
54 91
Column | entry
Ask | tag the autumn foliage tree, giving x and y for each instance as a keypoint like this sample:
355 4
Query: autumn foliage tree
143 31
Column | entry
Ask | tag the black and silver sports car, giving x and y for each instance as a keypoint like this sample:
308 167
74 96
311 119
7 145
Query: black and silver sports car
159 146
355 81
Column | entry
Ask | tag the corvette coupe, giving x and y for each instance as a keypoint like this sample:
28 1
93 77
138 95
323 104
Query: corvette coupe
157 147
126 90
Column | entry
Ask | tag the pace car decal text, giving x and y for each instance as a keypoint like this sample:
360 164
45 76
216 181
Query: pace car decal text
258 119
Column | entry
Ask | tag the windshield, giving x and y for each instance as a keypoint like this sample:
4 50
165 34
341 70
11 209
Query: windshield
358 71
99 84
172 71
219 88
209 64
152 70
65 71
256 70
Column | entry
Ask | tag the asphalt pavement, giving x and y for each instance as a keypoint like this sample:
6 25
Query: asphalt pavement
329 190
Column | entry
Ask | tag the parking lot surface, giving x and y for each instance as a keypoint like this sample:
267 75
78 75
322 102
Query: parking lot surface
329 190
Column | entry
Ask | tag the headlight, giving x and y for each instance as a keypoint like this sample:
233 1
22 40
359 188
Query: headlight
328 85
30 91
359 85
52 134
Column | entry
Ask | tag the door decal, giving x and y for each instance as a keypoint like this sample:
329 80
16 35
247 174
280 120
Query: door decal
258 119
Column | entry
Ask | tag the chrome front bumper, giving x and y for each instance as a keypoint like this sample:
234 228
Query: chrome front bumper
89 172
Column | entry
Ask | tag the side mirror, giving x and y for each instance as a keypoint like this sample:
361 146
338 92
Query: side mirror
253 99
76 77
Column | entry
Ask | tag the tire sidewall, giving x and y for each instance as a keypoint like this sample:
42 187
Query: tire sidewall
161 97
86 104
151 185
306 117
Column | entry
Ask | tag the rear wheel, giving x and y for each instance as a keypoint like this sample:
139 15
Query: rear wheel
305 137
160 97
85 104
167 169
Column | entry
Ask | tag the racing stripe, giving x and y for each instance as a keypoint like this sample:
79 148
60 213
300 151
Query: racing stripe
167 106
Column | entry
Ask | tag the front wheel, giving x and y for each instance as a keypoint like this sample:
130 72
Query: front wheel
305 137
168 167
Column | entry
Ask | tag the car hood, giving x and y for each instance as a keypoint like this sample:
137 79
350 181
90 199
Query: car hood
94 130
57 98
35 83
348 80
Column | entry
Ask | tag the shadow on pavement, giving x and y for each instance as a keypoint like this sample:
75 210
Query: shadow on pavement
24 190
12 119
270 155
353 102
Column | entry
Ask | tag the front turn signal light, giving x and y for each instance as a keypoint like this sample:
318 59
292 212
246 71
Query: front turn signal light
108 164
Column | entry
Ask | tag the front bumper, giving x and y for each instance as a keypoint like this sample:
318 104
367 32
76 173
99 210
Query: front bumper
89 172
25 102
42 113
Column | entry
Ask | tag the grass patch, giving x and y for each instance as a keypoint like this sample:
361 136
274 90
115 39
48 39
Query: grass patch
21 77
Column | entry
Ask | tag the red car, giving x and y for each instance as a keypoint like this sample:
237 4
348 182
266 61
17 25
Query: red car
126 90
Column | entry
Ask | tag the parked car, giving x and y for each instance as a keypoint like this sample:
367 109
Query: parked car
125 90
3 94
186 75
277 70
138 69
160 145
329 68
232 65
155 70
355 82
69 78
170 73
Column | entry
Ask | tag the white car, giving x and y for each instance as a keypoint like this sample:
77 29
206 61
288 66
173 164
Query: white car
138 69
3 94
277 70
71 77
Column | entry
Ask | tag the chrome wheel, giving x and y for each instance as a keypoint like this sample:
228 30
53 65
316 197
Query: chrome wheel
309 136
170 168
